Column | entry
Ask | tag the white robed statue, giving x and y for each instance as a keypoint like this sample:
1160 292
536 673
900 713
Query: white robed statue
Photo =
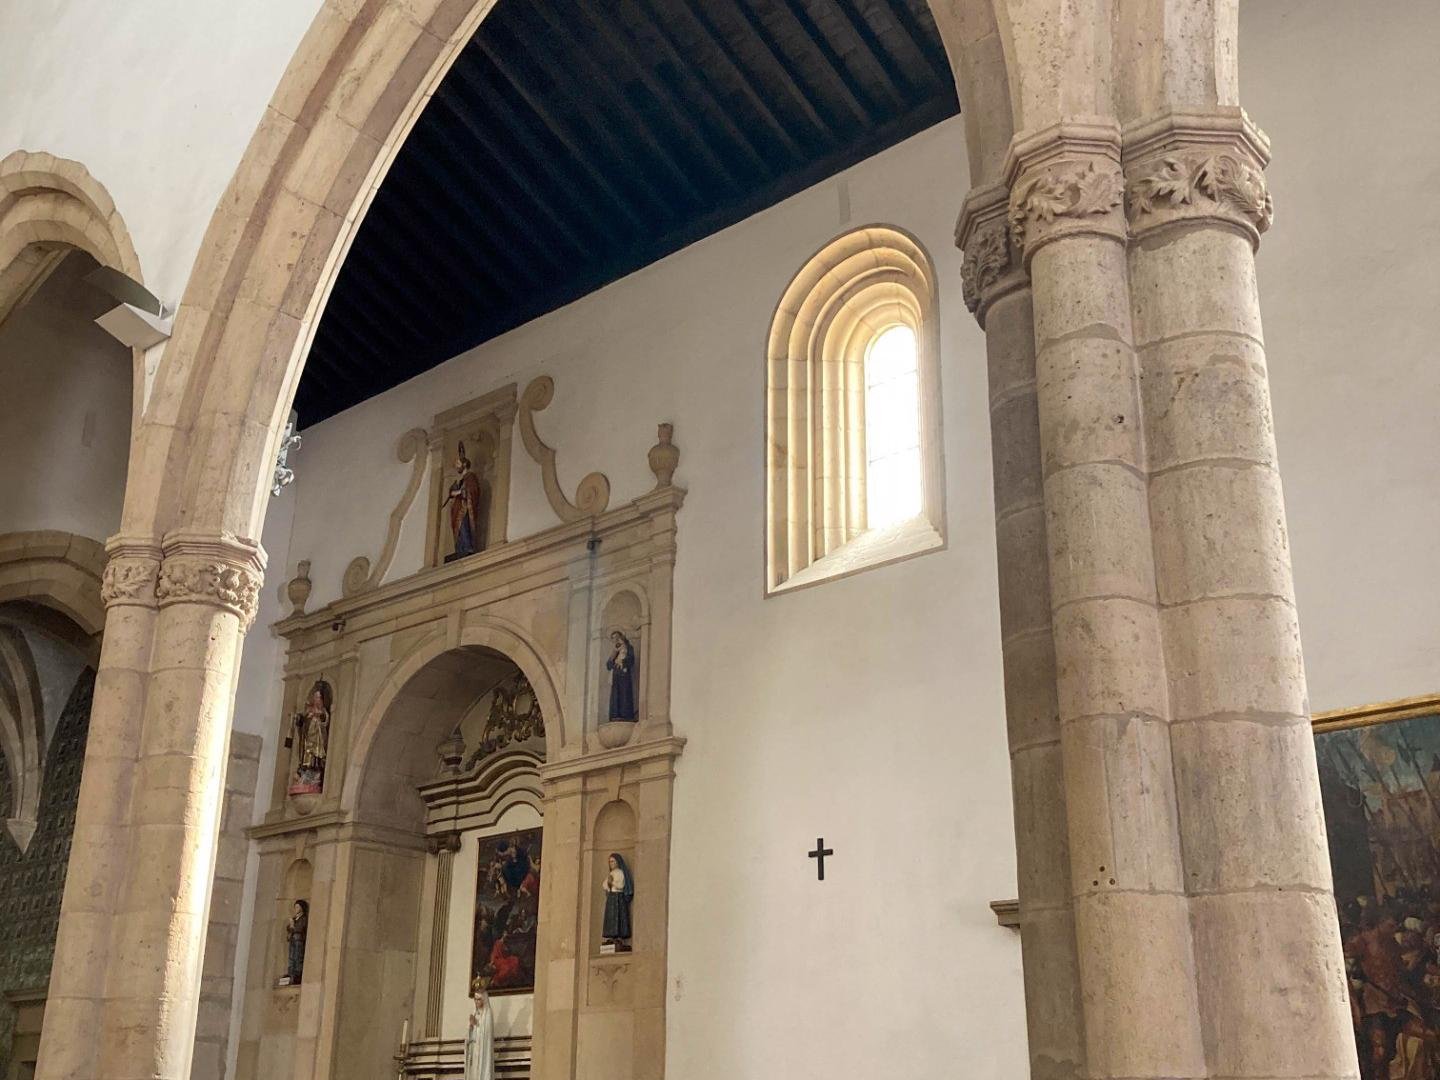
480 1038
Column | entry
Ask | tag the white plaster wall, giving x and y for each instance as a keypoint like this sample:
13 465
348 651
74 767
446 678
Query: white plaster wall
158 98
1350 290
64 414
868 710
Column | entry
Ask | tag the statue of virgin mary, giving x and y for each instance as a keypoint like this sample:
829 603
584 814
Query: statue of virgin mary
480 1038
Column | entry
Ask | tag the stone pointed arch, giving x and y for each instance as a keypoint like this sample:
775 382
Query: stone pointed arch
58 570
50 206
22 734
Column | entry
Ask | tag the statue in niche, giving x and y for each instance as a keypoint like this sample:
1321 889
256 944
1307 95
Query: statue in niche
311 731
621 666
467 511
619 892
480 1037
296 928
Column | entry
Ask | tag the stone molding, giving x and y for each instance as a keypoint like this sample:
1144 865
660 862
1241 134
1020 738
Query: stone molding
132 573
224 572
1192 167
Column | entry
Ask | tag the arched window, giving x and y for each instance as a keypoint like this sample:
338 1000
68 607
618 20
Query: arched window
855 472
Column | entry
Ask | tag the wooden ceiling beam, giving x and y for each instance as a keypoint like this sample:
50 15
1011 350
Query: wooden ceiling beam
781 66
563 134
682 123
694 73
525 186
840 76
363 274
925 46
482 228
599 79
741 77
874 52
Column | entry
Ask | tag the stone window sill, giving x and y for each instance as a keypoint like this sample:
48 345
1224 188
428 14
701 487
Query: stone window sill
878 547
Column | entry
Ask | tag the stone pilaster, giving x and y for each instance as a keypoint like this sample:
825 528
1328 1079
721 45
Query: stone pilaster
997 291
207 592
1132 926
1267 945
96 873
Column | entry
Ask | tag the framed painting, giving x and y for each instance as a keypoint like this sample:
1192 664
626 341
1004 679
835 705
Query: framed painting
1380 783
507 912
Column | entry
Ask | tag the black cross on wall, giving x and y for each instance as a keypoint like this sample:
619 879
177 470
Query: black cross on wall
819 856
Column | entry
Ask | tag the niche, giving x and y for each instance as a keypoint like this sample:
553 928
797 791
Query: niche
292 921
621 648
612 928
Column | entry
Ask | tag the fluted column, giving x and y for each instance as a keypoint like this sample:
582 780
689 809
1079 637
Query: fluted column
207 594
96 872
997 292
1267 945
1132 920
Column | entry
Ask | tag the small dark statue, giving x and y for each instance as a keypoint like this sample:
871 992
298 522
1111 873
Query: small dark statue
296 927
622 679
619 892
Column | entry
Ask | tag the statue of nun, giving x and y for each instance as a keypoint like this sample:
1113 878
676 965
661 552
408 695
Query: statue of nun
480 1038
621 665
619 892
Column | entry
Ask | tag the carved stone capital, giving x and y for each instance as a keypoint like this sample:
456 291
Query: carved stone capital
1065 180
223 571
992 266
131 574
1198 167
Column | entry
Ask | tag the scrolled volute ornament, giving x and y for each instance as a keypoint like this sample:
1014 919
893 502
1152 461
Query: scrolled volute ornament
196 579
1074 191
1196 184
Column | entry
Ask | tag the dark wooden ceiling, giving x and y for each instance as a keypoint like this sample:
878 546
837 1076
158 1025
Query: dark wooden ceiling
576 141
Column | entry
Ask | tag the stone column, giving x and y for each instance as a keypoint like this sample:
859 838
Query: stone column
96 872
207 593
1267 945
1132 919
997 292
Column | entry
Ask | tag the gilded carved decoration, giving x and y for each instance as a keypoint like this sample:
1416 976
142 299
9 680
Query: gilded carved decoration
358 575
1076 189
514 717
593 494
1181 180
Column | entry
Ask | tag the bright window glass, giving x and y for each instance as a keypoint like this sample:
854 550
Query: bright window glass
892 428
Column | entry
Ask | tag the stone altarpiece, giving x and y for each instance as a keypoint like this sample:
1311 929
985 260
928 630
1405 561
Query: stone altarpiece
372 852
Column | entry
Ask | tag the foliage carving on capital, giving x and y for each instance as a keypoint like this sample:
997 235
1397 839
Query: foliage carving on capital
1224 180
190 579
129 580
987 257
1071 190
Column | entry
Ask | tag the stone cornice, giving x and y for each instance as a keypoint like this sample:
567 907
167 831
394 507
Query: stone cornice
131 573
222 571
561 540
1186 167
669 747
1065 180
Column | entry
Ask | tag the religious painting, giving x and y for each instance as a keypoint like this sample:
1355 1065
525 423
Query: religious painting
507 912
1380 783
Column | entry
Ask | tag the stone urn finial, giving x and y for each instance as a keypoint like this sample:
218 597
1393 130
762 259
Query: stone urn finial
299 588
451 753
664 456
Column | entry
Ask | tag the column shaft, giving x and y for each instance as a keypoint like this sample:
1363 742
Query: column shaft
96 871
999 292
1132 920
1267 945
